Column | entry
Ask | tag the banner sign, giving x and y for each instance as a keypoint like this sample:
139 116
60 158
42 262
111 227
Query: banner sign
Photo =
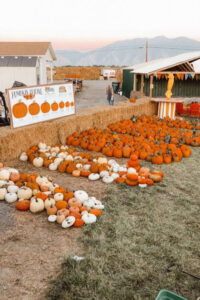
30 105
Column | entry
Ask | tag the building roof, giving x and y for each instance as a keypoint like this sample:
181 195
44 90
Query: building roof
159 65
18 61
26 49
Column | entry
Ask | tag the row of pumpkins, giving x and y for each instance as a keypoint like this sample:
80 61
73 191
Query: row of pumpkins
37 193
20 109
149 141
67 160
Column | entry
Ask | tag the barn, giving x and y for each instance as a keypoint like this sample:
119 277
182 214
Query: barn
25 62
151 77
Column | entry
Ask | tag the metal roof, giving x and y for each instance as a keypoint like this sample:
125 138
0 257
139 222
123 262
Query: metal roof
18 61
165 63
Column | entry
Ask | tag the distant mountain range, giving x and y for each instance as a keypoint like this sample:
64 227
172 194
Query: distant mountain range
127 52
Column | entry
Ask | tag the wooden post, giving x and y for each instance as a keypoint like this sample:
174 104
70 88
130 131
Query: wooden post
51 68
142 83
151 86
135 83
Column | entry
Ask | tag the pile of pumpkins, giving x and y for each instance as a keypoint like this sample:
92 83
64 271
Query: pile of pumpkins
67 160
148 138
38 193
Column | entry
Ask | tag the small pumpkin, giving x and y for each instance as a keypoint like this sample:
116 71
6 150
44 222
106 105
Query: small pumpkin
23 205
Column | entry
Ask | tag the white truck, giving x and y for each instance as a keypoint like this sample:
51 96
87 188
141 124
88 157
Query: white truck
108 73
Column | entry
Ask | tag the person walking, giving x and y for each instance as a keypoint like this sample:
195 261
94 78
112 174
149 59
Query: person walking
110 94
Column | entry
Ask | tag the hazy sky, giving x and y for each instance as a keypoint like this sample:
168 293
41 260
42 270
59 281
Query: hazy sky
88 24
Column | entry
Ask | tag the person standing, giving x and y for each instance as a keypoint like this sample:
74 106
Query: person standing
110 94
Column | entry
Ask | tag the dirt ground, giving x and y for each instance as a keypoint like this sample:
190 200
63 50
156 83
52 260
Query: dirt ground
94 93
31 249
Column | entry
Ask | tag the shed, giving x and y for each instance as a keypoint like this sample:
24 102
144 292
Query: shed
25 62
151 77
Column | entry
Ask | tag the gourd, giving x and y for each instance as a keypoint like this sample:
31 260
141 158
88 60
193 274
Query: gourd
52 218
89 218
36 205
49 202
11 197
61 204
95 211
60 217
108 179
53 166
13 189
78 223
4 174
14 176
81 195
58 197
23 205
3 192
23 156
74 202
68 222
38 162
51 210
93 176
24 193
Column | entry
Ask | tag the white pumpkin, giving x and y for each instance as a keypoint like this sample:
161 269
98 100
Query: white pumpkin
36 205
142 185
53 167
69 157
3 192
122 169
11 197
89 202
13 188
81 195
79 165
42 146
115 175
108 179
86 167
48 202
4 174
62 155
131 171
38 162
52 218
53 154
98 204
55 149
94 176
58 160
104 173
111 162
102 160
23 157
115 168
68 222
89 218
3 182
58 197
24 193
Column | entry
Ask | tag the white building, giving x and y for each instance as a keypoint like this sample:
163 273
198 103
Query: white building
25 62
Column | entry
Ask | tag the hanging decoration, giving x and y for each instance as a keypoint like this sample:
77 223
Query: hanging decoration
186 76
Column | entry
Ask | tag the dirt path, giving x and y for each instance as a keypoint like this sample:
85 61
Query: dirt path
31 249
93 94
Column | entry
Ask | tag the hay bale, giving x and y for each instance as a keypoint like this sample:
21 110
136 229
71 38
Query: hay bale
15 141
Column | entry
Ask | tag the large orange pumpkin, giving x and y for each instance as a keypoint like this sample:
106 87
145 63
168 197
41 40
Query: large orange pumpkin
19 110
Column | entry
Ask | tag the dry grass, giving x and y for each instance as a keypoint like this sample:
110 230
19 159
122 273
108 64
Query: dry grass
87 73
141 242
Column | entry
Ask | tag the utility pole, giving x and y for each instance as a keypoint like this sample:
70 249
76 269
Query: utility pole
147 51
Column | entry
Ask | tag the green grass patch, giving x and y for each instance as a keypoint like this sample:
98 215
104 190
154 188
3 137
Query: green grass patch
141 242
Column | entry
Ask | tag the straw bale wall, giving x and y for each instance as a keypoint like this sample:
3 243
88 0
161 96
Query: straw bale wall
14 141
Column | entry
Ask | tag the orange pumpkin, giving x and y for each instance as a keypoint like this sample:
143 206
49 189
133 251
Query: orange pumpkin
19 110
95 211
34 109
61 204
45 107
78 223
23 205
54 106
